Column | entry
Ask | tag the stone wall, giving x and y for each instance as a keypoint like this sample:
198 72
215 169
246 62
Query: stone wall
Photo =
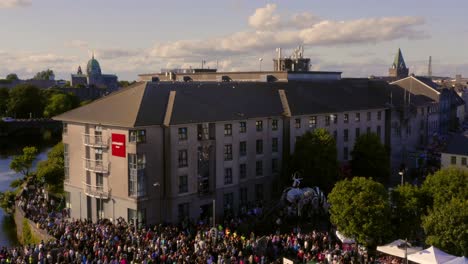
37 233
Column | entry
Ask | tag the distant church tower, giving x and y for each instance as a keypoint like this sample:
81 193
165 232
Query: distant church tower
79 72
398 69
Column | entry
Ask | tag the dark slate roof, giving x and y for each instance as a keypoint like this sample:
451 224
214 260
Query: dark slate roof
458 145
428 82
144 104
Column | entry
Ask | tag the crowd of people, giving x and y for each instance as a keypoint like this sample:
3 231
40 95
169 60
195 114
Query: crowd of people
102 242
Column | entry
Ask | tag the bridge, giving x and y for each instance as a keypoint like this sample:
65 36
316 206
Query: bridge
35 126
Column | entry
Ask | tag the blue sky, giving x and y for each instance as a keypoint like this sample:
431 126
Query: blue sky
129 37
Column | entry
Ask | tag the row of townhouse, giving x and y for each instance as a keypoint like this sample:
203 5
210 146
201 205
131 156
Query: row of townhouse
165 151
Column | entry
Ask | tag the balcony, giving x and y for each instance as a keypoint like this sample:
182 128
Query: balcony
95 141
96 191
97 166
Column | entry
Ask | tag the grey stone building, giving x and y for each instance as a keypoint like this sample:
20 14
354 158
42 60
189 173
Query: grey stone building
94 77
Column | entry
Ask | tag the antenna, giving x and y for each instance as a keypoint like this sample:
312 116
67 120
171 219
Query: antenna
429 67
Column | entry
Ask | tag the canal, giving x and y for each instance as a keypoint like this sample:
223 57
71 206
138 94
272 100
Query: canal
8 148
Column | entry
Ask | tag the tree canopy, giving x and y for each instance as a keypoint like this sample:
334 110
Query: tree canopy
45 75
25 99
4 97
51 171
360 210
60 103
370 158
12 77
23 163
315 156
446 184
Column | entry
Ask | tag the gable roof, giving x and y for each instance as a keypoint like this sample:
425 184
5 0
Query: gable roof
145 104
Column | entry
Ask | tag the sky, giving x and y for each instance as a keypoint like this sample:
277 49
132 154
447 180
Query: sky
130 37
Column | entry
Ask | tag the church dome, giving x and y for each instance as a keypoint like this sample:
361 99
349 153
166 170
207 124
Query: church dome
93 68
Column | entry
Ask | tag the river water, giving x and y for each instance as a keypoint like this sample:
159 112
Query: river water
7 225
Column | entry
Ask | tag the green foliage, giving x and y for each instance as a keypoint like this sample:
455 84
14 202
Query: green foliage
51 171
60 103
4 97
7 201
16 183
85 102
446 184
360 210
23 163
315 156
446 227
28 236
25 99
12 77
370 158
45 75
408 205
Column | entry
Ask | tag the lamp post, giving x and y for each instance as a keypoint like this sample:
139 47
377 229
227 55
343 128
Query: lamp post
157 185
260 60
214 213
401 173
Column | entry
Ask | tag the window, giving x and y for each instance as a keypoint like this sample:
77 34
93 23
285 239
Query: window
136 175
183 211
346 118
228 201
131 215
358 132
259 146
258 192
243 171
243 127
327 120
99 181
369 116
228 152
182 133
334 118
183 184
259 168
312 121
463 161
228 129
137 136
183 162
298 123
243 195
274 145
378 131
67 199
379 115
65 128
357 118
274 124
368 130
242 148
259 125
345 153
227 175
274 165
453 160
66 162
345 135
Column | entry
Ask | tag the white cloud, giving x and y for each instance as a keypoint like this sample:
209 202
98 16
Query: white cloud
76 43
115 53
265 17
14 3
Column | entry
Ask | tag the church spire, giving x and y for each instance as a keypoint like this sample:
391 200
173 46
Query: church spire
398 69
79 70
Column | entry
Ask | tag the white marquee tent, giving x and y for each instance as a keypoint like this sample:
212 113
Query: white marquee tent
431 255
396 248
459 260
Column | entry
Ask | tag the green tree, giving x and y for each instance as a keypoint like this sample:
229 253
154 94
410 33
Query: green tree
51 171
360 210
45 75
370 158
25 100
4 97
12 77
60 103
7 201
446 227
408 206
23 163
315 156
446 184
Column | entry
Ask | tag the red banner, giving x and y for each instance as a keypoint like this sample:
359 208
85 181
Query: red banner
118 145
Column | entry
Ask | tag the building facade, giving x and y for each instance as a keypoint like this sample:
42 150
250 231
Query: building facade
456 153
94 77
164 151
